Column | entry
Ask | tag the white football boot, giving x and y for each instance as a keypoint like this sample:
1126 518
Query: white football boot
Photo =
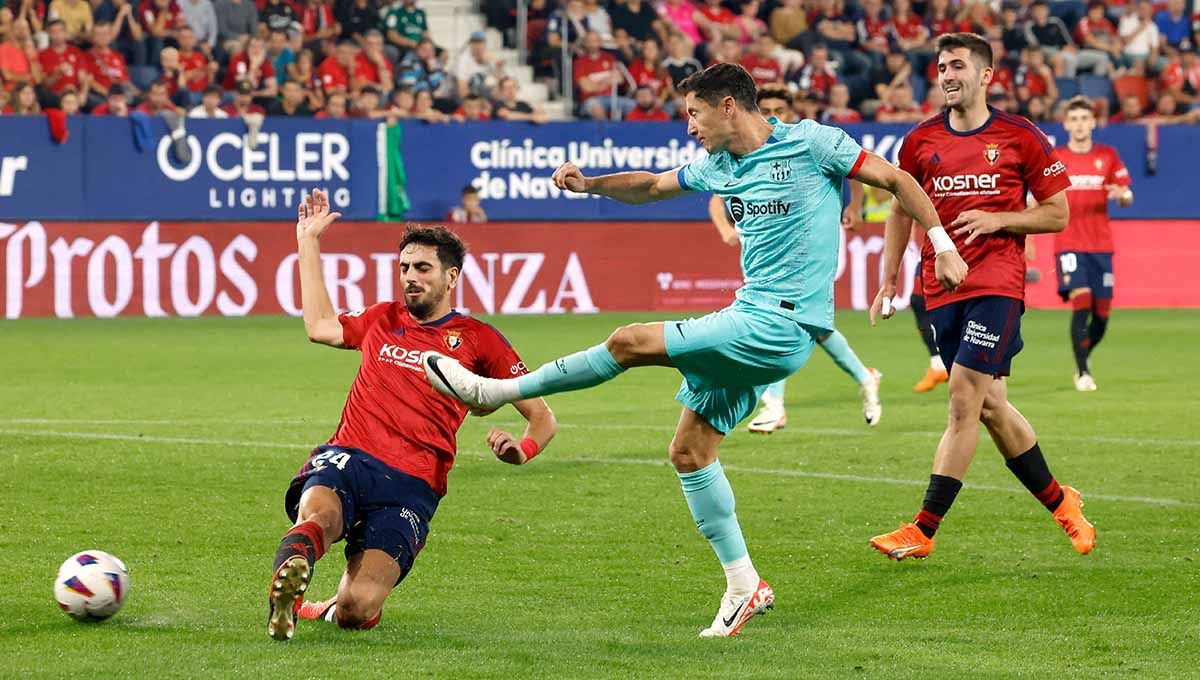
872 407
735 612
1084 382
451 379
769 418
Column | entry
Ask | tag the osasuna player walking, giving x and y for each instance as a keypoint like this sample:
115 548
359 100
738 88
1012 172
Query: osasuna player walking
1084 251
782 184
377 482
977 164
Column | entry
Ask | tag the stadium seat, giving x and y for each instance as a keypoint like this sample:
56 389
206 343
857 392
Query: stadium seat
142 76
1096 87
1135 86
1067 87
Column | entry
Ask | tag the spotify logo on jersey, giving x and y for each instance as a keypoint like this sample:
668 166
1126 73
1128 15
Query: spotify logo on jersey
737 208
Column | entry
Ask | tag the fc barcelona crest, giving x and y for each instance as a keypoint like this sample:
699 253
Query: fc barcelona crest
453 340
992 154
781 170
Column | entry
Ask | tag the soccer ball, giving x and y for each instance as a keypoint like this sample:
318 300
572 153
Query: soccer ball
91 585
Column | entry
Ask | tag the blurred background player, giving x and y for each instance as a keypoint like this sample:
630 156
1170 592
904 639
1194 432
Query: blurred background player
783 184
978 163
470 210
1084 250
775 101
936 374
378 480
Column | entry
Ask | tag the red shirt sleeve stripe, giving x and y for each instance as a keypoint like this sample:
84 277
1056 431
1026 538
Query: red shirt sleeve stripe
862 158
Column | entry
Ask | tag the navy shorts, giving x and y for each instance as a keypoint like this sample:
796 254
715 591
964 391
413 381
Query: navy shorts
982 333
382 508
1093 271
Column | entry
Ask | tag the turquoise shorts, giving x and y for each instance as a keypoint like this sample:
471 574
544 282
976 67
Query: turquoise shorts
728 358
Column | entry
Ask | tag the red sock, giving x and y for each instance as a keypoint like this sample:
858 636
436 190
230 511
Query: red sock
928 522
1051 496
315 533
306 538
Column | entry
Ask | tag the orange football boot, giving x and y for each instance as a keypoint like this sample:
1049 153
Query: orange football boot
933 378
907 541
1069 516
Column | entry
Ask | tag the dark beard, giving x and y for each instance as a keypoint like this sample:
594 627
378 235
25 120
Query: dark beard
419 310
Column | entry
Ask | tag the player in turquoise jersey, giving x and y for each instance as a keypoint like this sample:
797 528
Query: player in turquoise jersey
782 184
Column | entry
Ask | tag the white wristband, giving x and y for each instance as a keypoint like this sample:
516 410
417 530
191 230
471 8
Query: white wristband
940 239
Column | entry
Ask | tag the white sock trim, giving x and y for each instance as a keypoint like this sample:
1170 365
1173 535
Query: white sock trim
741 578
935 362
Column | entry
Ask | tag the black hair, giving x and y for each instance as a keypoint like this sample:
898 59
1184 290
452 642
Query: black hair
450 248
469 189
774 92
979 47
719 81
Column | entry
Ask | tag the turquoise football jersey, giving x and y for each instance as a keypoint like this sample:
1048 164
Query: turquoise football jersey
785 198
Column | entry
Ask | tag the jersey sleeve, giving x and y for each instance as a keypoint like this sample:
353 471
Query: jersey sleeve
356 324
908 156
1043 171
698 175
836 153
1117 172
497 358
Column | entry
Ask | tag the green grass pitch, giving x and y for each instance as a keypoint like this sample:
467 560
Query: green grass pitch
170 442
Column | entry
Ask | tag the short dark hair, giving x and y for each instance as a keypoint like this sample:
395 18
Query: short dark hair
774 92
1080 102
450 248
979 47
212 89
469 189
55 22
719 81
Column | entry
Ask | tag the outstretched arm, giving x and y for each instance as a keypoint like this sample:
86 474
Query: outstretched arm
320 320
539 431
626 187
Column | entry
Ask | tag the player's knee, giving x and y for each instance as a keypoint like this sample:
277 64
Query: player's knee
992 412
356 612
964 410
687 458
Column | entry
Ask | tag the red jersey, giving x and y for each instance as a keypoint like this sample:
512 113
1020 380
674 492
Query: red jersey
333 75
1031 80
643 75
1002 81
909 28
238 66
764 71
108 68
588 68
1090 174
149 13
71 60
368 72
653 114
392 412
988 169
197 64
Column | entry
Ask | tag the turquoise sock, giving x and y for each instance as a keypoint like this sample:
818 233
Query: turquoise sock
775 390
710 498
839 350
574 372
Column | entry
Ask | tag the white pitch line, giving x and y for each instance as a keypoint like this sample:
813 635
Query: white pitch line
791 429
1173 502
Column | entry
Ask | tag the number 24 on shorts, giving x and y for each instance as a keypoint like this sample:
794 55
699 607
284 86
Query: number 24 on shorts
337 459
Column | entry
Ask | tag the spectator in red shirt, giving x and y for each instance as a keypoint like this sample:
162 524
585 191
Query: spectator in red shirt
473 108
243 102
717 21
908 29
107 65
252 66
900 107
818 76
18 57
319 22
646 107
62 63
197 71
372 65
596 79
337 71
648 71
939 18
160 19
978 18
1002 76
748 24
1035 78
157 100
839 110
760 64
117 103
874 31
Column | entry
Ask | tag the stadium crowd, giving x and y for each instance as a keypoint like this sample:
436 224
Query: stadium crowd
843 60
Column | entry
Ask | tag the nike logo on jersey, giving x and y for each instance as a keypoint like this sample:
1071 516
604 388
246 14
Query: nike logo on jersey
679 329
